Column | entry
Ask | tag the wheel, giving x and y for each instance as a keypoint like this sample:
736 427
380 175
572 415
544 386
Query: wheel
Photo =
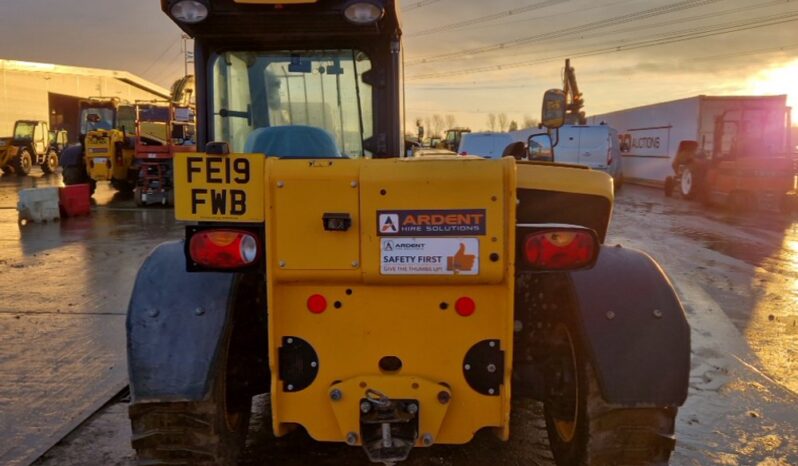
137 196
123 186
77 175
50 164
584 430
203 433
741 202
787 204
23 163
690 183
669 186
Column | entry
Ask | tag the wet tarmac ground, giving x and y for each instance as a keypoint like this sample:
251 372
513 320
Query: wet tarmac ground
65 287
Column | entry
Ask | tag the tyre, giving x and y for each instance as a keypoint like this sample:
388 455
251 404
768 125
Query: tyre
211 432
123 186
690 184
23 163
50 164
669 186
584 430
137 196
77 175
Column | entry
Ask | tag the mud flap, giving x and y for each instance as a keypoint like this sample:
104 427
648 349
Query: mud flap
175 323
71 156
634 329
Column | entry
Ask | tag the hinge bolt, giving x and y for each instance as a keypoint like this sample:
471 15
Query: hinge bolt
491 368
280 184
336 395
199 311
351 438
657 313
365 407
426 439
610 315
412 408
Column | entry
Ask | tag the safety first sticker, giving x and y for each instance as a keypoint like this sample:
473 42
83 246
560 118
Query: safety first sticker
429 256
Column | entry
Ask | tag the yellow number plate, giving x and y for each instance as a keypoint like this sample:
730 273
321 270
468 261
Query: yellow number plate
217 188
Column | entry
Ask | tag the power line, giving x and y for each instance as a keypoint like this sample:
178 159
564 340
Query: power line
651 26
420 4
614 21
491 17
477 85
679 36
165 51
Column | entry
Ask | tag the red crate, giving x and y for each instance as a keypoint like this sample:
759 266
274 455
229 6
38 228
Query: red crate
74 200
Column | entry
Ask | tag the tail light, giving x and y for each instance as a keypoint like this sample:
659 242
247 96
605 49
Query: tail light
224 249
559 248
464 153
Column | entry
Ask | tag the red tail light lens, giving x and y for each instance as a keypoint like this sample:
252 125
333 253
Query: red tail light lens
224 249
560 249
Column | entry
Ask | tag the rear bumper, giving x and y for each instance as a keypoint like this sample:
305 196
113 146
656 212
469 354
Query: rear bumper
364 324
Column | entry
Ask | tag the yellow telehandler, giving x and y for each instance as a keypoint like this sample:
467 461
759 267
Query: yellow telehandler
383 302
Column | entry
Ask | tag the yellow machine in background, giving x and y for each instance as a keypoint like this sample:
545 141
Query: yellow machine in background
107 132
383 302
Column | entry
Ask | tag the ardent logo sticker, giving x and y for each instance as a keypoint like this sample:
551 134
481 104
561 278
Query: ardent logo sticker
462 222
389 224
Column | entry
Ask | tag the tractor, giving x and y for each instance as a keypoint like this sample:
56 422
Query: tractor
32 144
383 302
106 145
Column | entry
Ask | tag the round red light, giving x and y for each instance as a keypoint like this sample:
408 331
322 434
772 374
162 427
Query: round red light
317 304
465 306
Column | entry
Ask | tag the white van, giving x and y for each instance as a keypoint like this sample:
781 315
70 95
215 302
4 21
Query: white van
596 146
487 144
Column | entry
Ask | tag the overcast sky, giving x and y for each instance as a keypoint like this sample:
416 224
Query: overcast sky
473 57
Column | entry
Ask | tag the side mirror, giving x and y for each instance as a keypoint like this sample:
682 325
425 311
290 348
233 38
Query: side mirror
540 147
553 114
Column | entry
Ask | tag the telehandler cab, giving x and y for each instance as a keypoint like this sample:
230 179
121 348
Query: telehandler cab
32 144
387 303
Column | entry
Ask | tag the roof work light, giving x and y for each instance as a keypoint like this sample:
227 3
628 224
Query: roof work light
364 12
189 11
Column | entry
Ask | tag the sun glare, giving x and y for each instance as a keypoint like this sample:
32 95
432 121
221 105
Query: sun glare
777 80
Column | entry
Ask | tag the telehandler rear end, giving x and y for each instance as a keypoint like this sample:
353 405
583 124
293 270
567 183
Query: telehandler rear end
383 302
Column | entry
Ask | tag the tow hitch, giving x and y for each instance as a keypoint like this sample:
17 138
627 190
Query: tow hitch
382 414
389 428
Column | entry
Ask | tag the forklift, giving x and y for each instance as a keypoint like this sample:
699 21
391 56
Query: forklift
383 302
32 144
744 164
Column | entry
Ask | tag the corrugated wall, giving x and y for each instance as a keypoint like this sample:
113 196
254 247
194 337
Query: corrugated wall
24 94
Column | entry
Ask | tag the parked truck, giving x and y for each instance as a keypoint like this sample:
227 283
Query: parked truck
730 150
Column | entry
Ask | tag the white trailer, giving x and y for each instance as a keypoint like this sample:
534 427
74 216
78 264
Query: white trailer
650 135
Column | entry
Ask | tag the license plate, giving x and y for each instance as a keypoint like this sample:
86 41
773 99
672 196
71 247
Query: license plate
219 187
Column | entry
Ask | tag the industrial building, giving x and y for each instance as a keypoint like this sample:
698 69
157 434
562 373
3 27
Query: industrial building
51 93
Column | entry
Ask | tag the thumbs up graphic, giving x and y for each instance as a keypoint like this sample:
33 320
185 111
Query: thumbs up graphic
460 262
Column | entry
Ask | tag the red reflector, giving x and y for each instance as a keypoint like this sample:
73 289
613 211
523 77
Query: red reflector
317 304
465 306
560 249
224 249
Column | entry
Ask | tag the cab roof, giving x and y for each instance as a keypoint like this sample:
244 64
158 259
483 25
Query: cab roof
232 21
